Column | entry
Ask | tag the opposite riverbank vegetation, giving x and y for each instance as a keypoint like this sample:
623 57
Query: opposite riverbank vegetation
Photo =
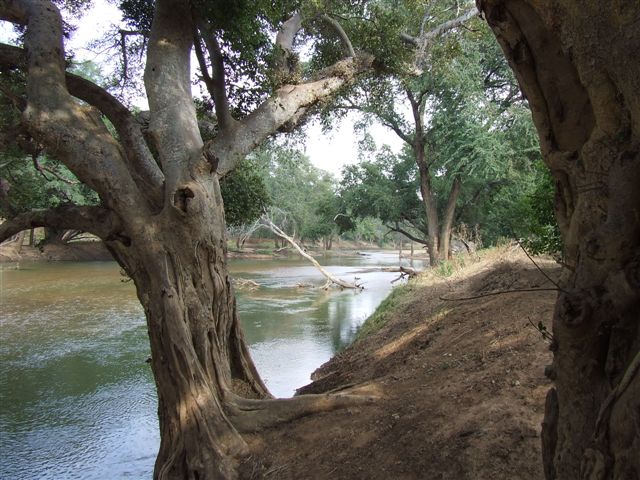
94 250
458 373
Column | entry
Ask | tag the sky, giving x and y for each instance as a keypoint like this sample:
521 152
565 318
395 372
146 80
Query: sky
328 151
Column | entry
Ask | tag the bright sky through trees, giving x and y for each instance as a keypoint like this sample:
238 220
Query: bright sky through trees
327 151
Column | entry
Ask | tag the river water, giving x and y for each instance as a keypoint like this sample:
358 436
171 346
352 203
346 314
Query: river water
77 400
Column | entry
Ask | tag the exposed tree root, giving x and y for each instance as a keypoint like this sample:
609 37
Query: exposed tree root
249 415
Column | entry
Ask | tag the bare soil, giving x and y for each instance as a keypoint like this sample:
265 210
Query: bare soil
460 386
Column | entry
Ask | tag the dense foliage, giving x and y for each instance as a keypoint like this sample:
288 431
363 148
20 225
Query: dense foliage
245 194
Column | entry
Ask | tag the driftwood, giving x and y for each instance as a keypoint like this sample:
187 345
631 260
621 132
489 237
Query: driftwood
330 278
245 283
405 271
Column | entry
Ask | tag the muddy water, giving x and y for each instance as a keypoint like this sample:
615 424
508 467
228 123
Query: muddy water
77 399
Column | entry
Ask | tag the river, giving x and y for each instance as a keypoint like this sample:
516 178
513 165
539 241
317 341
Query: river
77 400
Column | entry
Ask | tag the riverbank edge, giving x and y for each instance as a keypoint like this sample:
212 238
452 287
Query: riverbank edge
460 382
96 251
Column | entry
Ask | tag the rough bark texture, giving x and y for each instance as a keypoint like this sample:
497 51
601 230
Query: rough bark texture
574 63
198 354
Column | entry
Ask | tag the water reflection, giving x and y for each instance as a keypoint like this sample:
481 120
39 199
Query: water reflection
77 397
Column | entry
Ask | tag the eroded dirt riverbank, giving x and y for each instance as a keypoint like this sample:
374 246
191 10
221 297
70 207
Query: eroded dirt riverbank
460 384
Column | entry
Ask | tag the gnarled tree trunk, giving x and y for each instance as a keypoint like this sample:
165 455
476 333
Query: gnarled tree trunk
161 216
199 358
574 62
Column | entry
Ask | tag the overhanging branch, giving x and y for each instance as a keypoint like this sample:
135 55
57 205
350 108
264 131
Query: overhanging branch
71 132
216 83
284 55
266 221
425 39
141 163
406 234
289 104
97 220
343 35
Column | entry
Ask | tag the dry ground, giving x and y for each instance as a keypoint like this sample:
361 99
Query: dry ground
460 384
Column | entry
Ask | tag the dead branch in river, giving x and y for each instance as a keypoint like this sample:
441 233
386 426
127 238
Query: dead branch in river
266 221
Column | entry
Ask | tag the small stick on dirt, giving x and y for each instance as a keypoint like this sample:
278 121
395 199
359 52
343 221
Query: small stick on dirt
538 267
500 292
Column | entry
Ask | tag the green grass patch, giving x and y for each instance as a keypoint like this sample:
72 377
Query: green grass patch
382 314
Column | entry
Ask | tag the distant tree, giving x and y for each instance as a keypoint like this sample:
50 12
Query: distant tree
385 188
457 101
300 192
244 194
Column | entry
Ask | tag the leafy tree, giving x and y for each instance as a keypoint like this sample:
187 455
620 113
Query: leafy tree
325 227
301 193
245 194
160 211
385 188
31 179
454 127
544 234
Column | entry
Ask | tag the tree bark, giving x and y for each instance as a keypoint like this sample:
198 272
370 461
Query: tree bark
444 250
199 358
571 59
428 198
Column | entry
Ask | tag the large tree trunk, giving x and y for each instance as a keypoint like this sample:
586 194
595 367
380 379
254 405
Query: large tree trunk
161 216
199 358
574 63
430 207
426 190
209 391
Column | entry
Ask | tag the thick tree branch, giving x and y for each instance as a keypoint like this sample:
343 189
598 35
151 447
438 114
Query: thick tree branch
393 124
406 234
284 59
69 131
42 169
142 165
288 105
343 35
173 122
202 62
96 220
217 84
424 40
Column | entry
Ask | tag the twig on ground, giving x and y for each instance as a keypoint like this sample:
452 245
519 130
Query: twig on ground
501 292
